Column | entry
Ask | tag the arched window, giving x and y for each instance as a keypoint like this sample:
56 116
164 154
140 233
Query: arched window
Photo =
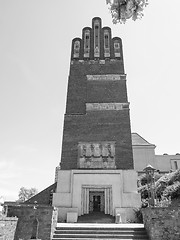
117 48
76 49
96 39
106 44
86 43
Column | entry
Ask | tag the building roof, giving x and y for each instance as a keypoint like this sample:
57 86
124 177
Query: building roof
137 140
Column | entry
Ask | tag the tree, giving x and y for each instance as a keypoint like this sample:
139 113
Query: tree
25 193
121 10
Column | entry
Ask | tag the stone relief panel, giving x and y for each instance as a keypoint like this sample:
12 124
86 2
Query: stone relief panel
96 155
104 77
106 106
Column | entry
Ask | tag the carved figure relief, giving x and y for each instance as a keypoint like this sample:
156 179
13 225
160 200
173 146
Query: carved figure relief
76 49
96 155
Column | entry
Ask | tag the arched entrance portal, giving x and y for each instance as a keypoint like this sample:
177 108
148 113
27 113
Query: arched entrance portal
96 198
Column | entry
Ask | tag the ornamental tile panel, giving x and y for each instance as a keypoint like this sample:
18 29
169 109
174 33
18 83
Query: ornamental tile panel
108 77
106 106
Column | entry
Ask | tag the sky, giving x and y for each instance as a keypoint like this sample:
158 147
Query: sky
35 45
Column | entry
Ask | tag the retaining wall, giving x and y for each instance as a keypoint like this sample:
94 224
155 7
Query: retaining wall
46 217
7 227
162 223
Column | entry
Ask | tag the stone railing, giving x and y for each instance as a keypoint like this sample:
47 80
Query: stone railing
162 223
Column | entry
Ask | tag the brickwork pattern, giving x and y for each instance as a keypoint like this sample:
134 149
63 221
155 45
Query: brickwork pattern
45 215
101 126
81 91
162 223
83 126
7 227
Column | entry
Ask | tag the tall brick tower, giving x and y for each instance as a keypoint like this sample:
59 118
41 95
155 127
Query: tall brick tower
96 164
97 110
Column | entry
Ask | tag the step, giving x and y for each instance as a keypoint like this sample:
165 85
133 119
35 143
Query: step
82 236
103 231
105 238
99 231
100 225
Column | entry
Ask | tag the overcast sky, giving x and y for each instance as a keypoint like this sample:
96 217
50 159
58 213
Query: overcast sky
35 44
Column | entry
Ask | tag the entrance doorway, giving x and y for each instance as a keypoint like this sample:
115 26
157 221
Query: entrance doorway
96 201
96 198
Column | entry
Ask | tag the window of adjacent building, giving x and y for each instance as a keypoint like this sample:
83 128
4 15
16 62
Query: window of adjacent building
175 164
76 49
106 44
86 43
117 48
96 39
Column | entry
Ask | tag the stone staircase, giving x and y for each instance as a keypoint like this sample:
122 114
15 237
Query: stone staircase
68 231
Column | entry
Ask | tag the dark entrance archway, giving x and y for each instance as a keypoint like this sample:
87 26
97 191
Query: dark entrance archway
96 201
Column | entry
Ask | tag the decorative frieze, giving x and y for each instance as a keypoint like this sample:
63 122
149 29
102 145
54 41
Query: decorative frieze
107 77
96 155
106 106
96 61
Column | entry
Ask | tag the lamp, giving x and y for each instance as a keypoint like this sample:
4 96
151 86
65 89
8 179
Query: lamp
149 171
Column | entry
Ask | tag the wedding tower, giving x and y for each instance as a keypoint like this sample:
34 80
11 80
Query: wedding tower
97 172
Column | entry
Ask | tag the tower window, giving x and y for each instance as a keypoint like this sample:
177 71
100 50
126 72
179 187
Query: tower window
96 39
86 43
117 49
76 49
106 44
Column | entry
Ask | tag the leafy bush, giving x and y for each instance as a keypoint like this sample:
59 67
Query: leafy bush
143 190
165 185
142 179
138 215
172 190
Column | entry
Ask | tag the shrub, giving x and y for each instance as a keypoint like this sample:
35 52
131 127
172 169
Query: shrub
142 179
172 190
165 185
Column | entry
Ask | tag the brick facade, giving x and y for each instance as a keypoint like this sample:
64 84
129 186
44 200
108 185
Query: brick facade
96 126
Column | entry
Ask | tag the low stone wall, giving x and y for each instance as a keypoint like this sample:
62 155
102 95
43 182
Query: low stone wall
7 227
162 223
45 216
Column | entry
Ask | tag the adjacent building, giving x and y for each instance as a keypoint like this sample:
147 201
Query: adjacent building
144 154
